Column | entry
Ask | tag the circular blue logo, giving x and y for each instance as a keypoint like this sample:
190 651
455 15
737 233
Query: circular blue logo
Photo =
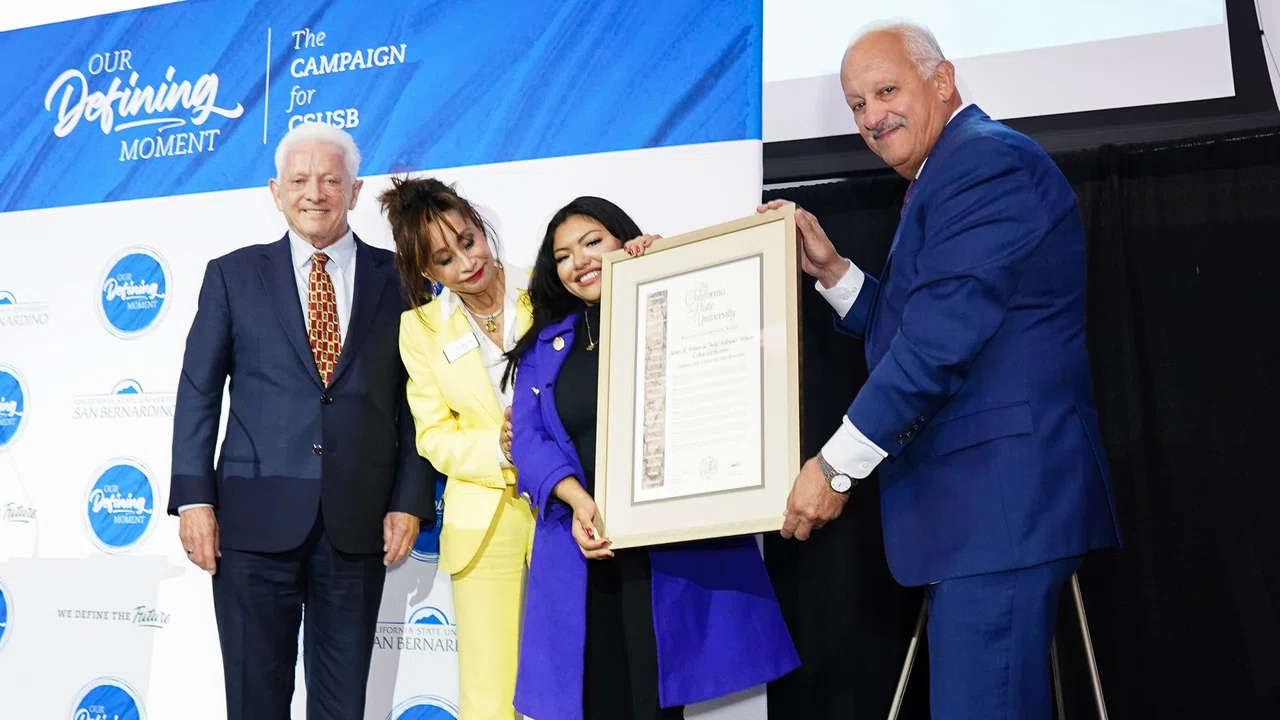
13 404
120 506
7 298
424 707
132 296
108 699
427 547
6 612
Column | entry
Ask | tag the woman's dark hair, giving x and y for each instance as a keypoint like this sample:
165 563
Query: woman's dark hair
552 302
411 206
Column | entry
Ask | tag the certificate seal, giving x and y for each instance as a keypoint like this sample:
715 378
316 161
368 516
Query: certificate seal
708 468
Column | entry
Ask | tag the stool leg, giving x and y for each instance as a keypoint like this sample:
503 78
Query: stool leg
901 692
1059 701
1088 648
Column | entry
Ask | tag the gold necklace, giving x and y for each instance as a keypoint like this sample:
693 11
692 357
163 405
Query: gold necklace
490 323
591 344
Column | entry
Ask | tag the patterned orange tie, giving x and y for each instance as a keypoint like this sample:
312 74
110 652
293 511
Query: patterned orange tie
322 310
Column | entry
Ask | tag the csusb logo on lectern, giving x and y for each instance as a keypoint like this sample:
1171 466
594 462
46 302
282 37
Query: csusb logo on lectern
21 314
6 613
120 506
427 630
427 547
424 707
133 291
108 698
13 405
126 401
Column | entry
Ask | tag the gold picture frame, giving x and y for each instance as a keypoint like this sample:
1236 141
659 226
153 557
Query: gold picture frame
708 403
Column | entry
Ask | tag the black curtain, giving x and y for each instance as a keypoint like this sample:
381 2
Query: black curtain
1184 336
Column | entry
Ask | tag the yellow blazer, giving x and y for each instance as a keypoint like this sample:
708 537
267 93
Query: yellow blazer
458 419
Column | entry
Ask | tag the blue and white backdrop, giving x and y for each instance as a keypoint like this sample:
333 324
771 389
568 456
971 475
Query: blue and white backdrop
138 145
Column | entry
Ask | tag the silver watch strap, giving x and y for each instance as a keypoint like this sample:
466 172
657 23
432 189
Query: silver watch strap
827 471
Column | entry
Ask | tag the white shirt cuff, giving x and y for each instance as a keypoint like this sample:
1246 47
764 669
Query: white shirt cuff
844 294
184 508
850 452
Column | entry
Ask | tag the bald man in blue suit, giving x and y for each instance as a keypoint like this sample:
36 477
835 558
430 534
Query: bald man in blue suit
979 409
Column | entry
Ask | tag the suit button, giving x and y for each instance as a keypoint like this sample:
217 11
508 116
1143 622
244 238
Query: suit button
317 450
326 400
902 439
919 418
525 496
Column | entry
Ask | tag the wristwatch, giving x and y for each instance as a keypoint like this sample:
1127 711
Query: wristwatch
838 481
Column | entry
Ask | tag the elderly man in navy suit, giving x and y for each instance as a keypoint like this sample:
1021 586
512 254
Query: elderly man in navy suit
979 407
318 487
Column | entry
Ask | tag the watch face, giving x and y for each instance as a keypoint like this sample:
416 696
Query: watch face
841 483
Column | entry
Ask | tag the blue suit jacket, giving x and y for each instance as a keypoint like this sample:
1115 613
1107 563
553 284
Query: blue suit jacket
979 386
294 447
716 620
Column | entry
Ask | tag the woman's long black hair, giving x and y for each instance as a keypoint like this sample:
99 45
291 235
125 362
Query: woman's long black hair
552 302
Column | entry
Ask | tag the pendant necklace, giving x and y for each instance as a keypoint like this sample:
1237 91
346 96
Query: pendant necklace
490 321
591 344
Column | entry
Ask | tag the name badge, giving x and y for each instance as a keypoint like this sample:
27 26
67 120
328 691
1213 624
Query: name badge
460 347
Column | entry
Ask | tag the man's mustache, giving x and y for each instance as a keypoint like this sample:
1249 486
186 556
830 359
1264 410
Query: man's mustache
886 126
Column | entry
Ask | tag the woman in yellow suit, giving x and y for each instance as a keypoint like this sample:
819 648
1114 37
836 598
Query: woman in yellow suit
452 345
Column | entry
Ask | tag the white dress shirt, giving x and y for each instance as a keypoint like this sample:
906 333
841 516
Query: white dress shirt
495 363
848 450
342 273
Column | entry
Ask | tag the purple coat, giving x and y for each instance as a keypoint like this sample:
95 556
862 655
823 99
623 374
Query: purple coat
715 617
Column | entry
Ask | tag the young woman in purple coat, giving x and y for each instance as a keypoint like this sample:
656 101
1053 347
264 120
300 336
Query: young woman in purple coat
629 634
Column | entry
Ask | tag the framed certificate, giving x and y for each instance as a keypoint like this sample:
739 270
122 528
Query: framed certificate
699 404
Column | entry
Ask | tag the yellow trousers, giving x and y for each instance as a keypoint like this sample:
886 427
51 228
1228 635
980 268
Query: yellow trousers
488 602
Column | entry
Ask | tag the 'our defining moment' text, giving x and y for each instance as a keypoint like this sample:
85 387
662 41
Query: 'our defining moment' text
127 103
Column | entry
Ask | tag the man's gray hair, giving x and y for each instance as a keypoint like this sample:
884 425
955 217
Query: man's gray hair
921 45
319 132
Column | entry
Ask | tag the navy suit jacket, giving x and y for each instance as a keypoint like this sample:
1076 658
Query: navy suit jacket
293 447
979 386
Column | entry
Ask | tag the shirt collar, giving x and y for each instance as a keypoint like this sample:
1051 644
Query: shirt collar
953 117
342 253
517 282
